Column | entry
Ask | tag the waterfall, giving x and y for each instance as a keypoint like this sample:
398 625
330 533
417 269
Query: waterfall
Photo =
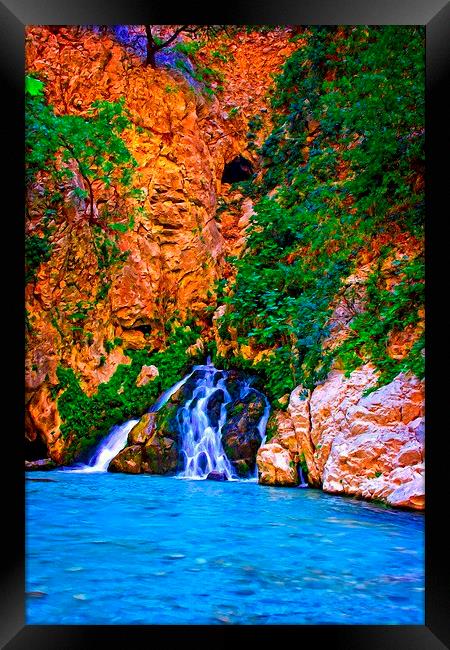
164 398
116 439
201 420
303 483
114 442
202 449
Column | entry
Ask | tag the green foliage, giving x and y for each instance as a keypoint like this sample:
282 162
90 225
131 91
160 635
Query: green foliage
271 428
87 419
54 143
387 311
170 89
203 75
94 143
107 250
189 48
33 87
221 55
303 464
365 91
37 250
110 345
233 111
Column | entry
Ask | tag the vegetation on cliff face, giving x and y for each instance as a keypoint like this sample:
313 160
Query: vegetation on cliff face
94 144
341 174
86 420
60 146
342 167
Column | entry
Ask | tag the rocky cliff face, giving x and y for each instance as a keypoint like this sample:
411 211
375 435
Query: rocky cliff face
174 250
368 446
95 297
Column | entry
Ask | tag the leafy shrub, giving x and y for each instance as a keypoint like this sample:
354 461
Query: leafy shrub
360 91
85 420
37 250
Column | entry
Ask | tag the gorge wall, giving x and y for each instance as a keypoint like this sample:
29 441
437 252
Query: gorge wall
127 279
175 247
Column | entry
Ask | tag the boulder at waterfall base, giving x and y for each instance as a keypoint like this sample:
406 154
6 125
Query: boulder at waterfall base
240 435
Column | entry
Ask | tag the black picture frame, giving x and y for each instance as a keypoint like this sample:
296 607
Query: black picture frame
14 16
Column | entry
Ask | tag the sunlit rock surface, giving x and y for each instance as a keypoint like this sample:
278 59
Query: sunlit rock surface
181 141
370 447
276 466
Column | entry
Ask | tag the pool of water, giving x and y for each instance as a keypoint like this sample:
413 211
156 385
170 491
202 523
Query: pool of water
121 549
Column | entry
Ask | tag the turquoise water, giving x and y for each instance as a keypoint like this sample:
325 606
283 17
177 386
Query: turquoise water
123 549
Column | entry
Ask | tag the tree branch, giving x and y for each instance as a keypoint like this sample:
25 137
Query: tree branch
89 184
173 37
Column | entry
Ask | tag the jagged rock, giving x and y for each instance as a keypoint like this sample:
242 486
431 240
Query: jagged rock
371 447
176 250
196 348
286 435
143 430
160 455
152 444
41 465
217 476
241 466
378 453
148 373
129 460
234 383
166 422
275 466
214 406
240 435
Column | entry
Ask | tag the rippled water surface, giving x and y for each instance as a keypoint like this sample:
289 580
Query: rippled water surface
121 549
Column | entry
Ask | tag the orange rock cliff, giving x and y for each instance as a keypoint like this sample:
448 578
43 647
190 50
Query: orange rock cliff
176 250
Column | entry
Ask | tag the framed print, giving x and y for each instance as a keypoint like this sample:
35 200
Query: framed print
231 235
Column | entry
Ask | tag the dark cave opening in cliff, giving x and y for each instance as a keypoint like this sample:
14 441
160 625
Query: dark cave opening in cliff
238 169
145 329
35 449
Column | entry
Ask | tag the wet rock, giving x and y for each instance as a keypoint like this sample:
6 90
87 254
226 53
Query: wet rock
234 383
240 435
166 422
217 476
44 464
214 406
185 392
129 460
160 456
242 468
143 430
218 376
152 444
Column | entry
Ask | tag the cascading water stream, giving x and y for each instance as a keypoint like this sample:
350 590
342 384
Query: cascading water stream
202 449
114 442
303 483
116 439
200 428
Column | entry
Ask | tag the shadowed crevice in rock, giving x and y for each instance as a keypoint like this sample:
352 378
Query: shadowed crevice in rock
239 169
35 449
